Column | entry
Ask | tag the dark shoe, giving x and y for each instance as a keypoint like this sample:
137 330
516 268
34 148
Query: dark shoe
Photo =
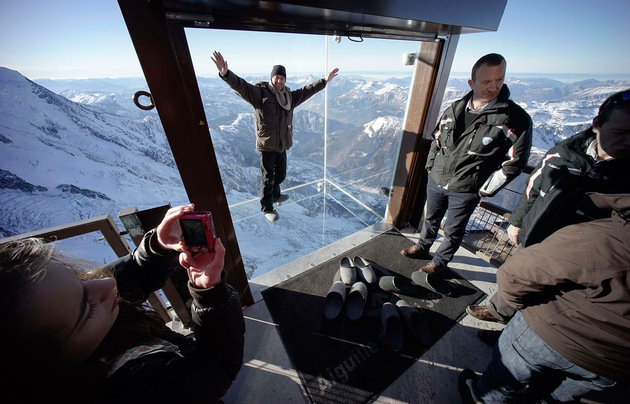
396 284
281 198
334 300
415 252
482 313
272 216
490 337
355 303
416 322
392 326
464 388
364 270
348 271
432 268
432 282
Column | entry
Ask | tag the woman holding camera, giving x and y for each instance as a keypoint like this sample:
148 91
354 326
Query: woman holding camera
72 335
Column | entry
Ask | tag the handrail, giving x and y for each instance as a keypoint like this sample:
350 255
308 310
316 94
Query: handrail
105 224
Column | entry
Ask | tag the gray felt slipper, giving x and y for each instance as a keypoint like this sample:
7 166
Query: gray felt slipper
365 270
392 326
356 301
334 300
415 321
432 282
396 284
348 271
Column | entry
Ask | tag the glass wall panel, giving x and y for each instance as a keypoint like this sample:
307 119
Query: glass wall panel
77 149
346 137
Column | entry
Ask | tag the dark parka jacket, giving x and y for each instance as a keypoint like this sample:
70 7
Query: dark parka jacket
556 192
489 153
274 124
573 290
177 369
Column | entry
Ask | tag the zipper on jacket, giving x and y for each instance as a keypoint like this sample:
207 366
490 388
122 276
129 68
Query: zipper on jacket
473 134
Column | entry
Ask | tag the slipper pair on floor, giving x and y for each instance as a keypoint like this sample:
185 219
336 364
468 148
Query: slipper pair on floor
338 294
350 268
346 277
395 315
396 284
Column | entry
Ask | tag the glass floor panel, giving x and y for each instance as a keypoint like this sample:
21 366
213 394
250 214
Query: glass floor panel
309 220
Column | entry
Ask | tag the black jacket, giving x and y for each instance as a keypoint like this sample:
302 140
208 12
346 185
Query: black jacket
177 369
556 192
488 154
274 124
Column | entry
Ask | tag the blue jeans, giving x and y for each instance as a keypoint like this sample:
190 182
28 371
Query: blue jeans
520 358
457 206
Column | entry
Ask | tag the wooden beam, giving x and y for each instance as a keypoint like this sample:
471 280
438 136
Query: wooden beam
409 172
105 224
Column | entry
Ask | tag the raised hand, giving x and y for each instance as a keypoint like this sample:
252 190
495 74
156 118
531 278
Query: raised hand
222 65
332 74
169 232
204 269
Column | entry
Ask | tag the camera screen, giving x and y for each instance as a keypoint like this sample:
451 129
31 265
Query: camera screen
193 232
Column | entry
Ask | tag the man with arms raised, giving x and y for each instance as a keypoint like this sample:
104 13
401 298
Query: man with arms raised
273 104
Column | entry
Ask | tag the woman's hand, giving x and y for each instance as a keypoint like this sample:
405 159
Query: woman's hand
204 269
169 232
221 63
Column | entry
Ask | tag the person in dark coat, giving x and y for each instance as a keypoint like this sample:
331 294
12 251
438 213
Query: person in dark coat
556 194
273 104
571 335
480 144
72 335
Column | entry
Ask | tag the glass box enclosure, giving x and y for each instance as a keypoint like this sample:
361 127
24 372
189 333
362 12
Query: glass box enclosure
346 137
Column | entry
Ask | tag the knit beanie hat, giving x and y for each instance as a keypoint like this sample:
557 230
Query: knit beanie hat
279 70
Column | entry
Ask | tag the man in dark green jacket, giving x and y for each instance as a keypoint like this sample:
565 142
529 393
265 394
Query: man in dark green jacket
273 104
480 144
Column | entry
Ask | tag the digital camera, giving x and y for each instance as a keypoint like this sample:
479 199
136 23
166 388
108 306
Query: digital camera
198 231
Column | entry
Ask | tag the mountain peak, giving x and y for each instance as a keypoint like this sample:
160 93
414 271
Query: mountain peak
10 75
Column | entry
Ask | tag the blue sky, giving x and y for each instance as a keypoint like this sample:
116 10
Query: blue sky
88 38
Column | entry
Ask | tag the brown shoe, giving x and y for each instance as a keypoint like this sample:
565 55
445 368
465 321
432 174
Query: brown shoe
432 268
482 313
415 252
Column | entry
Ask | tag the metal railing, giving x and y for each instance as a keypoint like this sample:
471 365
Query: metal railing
486 234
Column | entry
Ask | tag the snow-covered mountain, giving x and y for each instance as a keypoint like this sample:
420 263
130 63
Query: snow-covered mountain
558 110
85 150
